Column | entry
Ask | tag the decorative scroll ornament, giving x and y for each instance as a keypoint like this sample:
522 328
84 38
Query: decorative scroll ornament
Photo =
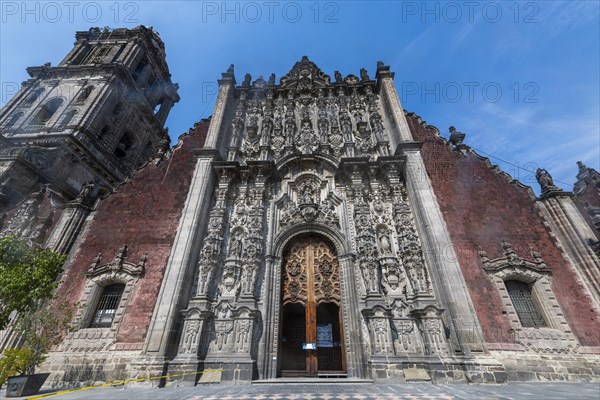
295 278
511 259
118 264
311 269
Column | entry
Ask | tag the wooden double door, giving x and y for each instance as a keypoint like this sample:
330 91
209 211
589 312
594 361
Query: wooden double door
311 328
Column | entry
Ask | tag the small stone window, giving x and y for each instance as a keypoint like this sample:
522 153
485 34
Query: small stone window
47 111
118 109
14 119
33 96
107 306
69 117
524 304
105 132
139 69
85 93
125 145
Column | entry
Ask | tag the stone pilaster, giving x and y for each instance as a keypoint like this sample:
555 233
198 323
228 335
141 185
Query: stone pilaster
68 227
179 270
574 234
447 275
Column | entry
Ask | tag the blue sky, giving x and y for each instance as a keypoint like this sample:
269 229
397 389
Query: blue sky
521 79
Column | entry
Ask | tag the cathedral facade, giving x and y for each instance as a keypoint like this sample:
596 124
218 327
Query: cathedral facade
310 228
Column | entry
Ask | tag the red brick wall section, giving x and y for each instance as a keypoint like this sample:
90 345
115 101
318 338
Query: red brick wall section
481 207
144 214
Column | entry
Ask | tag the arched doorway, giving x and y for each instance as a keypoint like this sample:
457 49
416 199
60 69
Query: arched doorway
311 336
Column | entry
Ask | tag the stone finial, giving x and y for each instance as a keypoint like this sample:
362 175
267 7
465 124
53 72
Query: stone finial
247 79
383 71
271 80
121 255
583 172
230 69
485 259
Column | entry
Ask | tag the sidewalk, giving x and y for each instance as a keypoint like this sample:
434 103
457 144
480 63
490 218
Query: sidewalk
313 391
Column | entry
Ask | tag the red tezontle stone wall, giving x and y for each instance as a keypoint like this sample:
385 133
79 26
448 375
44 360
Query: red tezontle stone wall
481 207
144 214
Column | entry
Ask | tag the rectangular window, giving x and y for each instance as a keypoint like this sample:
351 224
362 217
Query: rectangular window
520 295
107 306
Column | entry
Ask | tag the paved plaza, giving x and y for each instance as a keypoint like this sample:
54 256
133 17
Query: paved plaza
312 391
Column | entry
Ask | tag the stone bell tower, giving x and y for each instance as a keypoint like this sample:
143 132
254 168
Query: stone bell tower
92 119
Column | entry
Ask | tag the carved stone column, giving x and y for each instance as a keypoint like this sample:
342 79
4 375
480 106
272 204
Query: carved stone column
366 242
432 328
186 364
378 319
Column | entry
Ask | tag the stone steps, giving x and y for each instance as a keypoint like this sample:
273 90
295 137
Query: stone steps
312 381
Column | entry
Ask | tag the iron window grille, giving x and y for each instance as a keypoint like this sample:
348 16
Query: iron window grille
107 306
520 295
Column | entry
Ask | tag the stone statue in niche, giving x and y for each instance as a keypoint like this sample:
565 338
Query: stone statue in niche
338 77
363 75
307 140
247 79
236 243
86 190
364 140
308 192
328 210
384 243
546 182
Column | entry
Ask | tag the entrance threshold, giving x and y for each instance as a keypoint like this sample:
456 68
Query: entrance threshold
315 381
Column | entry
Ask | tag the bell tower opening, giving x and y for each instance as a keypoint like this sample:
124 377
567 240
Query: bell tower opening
311 327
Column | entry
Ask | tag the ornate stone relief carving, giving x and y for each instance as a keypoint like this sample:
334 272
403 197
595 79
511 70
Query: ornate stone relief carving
212 247
409 244
28 221
305 115
406 333
309 205
433 330
378 320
